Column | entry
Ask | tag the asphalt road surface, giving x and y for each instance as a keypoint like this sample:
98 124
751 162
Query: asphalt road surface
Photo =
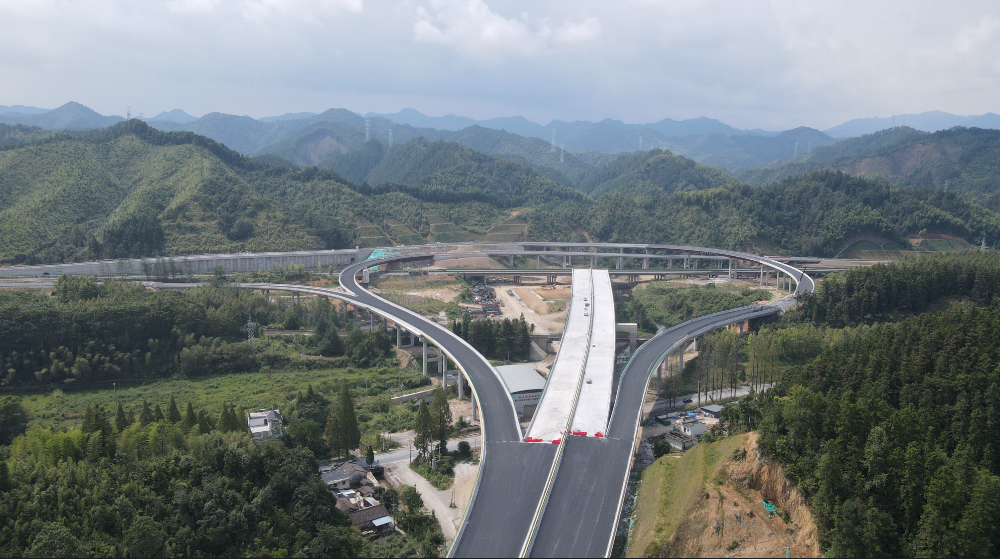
512 475
580 516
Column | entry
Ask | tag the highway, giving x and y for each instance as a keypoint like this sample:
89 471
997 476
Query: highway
579 498
588 490
512 474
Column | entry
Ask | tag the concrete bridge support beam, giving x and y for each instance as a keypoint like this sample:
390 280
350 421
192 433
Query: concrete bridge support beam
475 408
444 371
425 357
461 386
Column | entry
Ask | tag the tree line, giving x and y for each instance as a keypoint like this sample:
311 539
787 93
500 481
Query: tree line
163 484
508 340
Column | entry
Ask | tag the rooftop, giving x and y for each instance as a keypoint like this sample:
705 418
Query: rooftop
521 378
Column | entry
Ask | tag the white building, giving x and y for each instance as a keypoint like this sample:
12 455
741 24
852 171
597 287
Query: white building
525 386
264 424
693 428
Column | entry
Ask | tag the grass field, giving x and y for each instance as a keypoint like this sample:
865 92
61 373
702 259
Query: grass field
64 410
668 489
445 282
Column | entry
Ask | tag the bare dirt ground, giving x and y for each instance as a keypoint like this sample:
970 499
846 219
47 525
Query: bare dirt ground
733 513
545 323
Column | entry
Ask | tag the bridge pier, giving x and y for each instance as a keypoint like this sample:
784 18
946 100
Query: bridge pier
461 386
399 336
645 263
659 379
538 261
730 268
444 371
475 408
425 357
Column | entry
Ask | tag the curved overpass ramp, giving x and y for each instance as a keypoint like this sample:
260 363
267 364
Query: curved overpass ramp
581 495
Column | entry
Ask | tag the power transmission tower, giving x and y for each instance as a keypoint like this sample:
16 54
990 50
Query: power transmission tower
128 113
562 153
368 134
390 138
250 330
553 147
795 150
640 143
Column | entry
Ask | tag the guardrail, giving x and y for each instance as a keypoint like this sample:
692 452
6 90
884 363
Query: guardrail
544 501
649 376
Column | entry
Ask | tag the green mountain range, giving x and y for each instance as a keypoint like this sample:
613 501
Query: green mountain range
965 160
131 190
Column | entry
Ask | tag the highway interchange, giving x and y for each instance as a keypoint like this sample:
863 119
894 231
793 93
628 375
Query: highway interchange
525 502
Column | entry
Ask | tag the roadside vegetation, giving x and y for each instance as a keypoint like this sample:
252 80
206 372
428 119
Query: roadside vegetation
669 303
882 414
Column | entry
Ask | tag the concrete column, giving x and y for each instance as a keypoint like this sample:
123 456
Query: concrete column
645 263
670 263
680 361
659 379
475 408
618 263
538 261
399 336
371 320
425 357
730 268
511 260
461 386
444 370
440 360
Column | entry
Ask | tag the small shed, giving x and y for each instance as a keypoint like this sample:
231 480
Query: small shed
714 410
693 428
372 520
525 386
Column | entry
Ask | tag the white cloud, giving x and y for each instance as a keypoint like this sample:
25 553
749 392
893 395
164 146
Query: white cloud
750 63
473 30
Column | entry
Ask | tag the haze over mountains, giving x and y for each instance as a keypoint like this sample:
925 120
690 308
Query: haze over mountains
704 139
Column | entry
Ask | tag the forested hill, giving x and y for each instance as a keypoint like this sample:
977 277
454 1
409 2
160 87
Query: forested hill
818 214
452 168
651 173
131 190
966 160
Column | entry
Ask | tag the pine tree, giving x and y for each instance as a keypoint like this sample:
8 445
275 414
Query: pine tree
190 417
88 420
348 419
146 415
204 423
158 413
4 476
370 455
334 432
440 419
173 414
121 421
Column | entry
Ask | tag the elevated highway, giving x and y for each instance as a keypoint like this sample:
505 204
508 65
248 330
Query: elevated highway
525 502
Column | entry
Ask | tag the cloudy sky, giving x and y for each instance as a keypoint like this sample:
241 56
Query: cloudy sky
750 63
